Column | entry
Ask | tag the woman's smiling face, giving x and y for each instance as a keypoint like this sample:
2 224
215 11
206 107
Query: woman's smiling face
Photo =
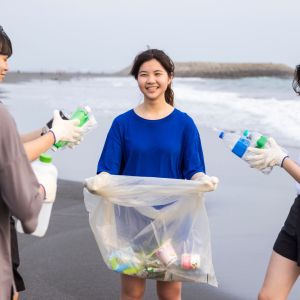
153 80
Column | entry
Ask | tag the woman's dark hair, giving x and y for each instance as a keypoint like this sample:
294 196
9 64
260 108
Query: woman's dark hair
5 43
296 81
164 60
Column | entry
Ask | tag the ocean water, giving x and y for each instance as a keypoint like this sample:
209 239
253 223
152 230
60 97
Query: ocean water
265 104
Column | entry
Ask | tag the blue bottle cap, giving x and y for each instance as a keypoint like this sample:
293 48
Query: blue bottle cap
221 135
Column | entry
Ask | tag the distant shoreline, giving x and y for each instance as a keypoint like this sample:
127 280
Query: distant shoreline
19 76
186 69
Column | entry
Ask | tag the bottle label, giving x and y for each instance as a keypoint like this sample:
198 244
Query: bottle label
241 147
80 114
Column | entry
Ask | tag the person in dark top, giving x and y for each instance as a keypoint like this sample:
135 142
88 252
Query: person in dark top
154 140
284 266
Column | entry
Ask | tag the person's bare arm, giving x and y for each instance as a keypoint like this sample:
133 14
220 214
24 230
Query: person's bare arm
65 130
36 147
272 156
292 168
28 137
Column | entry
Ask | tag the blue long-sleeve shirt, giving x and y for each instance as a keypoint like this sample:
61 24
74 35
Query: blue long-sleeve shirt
168 148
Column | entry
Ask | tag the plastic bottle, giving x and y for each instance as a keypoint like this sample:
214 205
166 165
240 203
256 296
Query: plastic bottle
82 114
44 168
257 140
45 172
239 143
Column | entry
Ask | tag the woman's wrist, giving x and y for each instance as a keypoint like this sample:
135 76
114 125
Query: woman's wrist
283 160
53 135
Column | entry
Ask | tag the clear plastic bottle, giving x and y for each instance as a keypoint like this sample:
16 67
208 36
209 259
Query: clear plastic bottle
239 143
257 140
83 115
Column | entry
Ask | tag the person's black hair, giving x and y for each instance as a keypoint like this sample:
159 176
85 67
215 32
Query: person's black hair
296 81
5 43
164 60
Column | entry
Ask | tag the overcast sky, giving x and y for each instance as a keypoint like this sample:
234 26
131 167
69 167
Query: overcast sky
98 35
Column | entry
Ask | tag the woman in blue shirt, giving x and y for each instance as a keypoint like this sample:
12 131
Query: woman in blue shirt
153 140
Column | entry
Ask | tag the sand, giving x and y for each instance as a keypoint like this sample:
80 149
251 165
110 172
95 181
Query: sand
246 214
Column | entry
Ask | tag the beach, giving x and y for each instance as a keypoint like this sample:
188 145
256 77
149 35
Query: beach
246 213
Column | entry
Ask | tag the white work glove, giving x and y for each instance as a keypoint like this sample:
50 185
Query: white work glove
88 126
207 183
65 130
49 183
95 184
271 156
74 144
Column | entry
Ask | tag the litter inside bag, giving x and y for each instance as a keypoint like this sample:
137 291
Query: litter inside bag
134 238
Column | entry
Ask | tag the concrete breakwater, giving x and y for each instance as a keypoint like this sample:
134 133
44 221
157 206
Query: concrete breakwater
226 70
182 69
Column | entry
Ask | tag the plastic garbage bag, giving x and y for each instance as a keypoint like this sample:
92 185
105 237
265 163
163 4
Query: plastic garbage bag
134 238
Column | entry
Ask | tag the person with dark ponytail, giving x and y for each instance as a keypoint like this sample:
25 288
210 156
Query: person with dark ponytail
284 266
153 140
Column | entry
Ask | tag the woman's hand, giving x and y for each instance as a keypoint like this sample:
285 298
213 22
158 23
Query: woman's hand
96 183
271 156
208 183
66 130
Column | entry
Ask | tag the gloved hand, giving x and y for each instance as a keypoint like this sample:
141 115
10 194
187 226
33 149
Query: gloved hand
49 183
271 156
74 144
91 123
96 183
65 130
208 183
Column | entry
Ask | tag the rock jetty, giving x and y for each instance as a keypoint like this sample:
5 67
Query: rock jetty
226 70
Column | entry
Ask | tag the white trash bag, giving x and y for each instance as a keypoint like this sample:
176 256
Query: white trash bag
136 238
